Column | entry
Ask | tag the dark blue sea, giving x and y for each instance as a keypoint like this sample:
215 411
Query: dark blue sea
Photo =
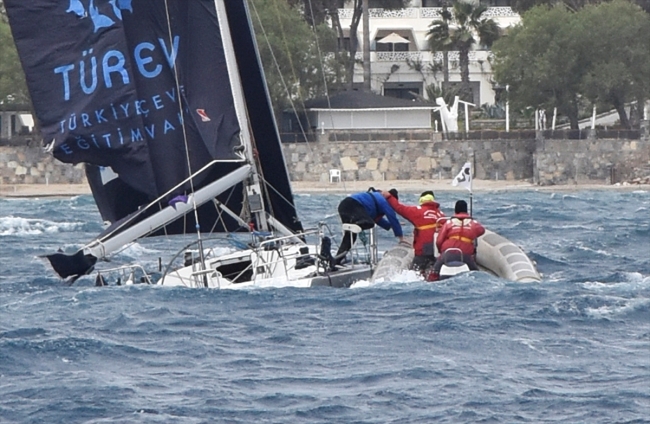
574 348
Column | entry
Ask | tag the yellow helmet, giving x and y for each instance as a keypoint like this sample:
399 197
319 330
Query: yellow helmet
427 196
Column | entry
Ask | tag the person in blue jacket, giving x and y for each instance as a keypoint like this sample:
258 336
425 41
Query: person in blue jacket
365 210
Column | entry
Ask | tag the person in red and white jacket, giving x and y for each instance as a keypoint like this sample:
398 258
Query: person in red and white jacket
459 232
425 218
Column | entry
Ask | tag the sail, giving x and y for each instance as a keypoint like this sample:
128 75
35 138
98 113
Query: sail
160 101
140 92
262 122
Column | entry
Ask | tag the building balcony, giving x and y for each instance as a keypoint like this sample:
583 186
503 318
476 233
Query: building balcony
424 57
427 13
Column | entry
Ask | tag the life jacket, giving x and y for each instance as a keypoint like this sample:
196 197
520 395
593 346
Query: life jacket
460 232
424 234
425 222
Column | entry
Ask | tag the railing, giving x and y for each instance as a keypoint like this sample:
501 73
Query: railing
126 275
424 13
347 136
580 134
424 56
273 244
398 56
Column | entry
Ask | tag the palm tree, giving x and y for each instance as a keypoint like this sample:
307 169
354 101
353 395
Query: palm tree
440 39
459 32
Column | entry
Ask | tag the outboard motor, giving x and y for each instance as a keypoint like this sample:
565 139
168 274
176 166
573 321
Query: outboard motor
453 264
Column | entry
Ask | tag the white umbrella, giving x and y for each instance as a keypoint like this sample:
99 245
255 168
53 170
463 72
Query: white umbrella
393 38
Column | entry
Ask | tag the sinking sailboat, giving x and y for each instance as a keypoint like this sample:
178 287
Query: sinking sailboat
166 103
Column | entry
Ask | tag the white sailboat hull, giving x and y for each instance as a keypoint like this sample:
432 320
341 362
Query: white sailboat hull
278 267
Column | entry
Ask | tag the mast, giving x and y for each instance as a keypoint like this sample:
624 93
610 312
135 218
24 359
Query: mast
253 188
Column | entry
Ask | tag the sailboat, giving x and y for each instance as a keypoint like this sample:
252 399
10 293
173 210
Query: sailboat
165 102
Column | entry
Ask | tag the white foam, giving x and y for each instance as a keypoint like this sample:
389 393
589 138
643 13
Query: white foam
517 207
11 225
622 307
136 250
633 281
402 277
589 249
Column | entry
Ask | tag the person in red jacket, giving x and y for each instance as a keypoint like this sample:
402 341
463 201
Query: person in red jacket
426 219
458 233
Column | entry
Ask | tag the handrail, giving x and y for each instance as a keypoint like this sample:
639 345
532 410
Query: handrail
131 268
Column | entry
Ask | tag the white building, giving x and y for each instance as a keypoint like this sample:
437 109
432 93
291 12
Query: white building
354 110
14 123
399 36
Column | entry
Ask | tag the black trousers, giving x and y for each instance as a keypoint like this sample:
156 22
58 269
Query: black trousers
353 212
422 263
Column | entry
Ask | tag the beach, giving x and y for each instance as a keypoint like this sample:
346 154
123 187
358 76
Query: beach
344 187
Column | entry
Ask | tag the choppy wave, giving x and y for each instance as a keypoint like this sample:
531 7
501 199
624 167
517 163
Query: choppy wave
475 348
12 225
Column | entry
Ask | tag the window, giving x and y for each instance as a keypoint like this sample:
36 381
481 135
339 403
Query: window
403 90
496 3
435 3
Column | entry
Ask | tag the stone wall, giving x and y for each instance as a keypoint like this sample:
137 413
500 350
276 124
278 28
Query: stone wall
591 160
380 156
568 157
30 165
410 160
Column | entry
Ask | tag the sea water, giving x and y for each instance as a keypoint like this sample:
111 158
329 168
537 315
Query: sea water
574 348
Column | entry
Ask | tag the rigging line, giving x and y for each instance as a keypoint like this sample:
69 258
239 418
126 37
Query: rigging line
322 66
286 45
284 83
280 195
156 202
181 111
264 183
219 219
230 194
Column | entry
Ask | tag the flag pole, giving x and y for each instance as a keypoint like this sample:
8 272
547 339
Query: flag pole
471 193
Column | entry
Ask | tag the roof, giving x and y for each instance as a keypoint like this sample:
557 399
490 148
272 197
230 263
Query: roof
364 100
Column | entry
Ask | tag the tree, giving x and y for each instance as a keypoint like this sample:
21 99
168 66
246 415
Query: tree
13 88
290 51
619 70
440 39
468 22
357 6
599 55
316 11
521 6
543 62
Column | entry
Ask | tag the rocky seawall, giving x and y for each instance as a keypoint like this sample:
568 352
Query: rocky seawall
394 156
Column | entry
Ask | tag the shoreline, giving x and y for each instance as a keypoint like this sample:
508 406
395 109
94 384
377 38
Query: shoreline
344 187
